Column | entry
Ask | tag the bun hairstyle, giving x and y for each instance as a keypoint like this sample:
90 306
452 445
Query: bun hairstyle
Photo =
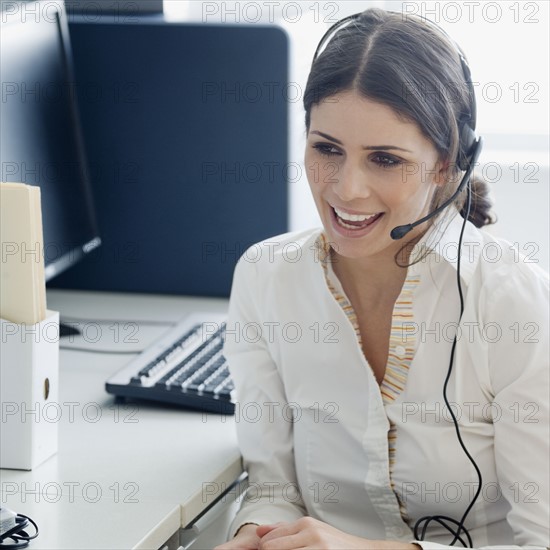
410 66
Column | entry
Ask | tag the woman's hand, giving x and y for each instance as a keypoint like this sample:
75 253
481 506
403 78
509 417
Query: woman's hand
245 539
314 534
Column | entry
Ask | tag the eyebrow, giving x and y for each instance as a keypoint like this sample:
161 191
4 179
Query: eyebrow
368 148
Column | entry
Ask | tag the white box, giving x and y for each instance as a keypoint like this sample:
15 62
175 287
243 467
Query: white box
29 385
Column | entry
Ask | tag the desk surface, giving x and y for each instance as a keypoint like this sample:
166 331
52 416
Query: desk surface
125 475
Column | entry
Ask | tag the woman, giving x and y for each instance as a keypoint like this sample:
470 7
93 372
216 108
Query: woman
341 337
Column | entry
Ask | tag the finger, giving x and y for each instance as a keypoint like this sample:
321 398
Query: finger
262 530
284 542
236 545
277 530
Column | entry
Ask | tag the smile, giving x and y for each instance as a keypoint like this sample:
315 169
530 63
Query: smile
355 221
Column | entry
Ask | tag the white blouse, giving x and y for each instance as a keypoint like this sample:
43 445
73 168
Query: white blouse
320 437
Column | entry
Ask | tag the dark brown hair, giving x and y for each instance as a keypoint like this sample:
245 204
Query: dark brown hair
412 67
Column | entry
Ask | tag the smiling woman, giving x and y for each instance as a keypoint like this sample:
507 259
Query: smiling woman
408 372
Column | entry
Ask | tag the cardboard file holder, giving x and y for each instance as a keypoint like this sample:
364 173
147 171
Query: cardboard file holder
29 387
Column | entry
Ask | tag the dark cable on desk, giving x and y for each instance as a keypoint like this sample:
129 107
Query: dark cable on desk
107 321
18 534
106 351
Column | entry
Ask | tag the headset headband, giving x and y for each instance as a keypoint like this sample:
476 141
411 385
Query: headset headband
466 122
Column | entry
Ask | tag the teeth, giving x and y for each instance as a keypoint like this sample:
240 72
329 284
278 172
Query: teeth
353 217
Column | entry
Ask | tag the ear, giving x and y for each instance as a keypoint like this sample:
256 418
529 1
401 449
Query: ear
443 172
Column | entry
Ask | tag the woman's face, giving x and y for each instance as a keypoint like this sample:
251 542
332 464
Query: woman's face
369 171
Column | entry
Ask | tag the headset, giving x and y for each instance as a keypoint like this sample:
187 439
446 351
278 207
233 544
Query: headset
470 146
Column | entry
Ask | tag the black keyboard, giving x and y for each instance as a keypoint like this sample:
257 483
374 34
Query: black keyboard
185 367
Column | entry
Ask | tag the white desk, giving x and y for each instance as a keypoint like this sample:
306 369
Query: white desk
137 474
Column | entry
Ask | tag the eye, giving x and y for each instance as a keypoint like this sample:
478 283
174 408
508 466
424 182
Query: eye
385 161
326 149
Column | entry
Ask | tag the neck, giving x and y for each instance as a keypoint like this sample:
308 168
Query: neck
368 278
374 278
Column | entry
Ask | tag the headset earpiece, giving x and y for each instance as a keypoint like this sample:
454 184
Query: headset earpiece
467 141
466 123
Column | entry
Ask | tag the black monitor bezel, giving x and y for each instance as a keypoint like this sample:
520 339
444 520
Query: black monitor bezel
54 13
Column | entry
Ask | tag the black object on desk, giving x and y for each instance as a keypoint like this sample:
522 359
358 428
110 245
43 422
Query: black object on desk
184 367
186 130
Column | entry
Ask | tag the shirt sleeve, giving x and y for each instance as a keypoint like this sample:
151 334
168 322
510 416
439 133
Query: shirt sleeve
518 361
264 434
519 371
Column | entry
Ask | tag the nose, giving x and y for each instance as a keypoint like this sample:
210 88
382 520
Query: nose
350 182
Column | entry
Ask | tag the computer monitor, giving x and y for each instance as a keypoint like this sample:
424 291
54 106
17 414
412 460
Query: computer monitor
186 128
41 142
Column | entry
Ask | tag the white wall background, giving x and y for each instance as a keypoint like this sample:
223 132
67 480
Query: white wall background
507 46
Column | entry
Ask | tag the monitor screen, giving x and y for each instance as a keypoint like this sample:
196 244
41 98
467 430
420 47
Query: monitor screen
41 141
187 129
